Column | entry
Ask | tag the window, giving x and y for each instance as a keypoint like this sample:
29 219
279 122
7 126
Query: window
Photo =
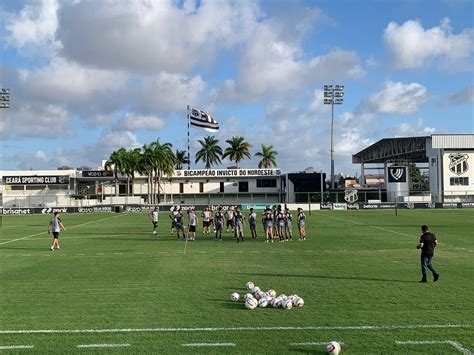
181 188
266 183
243 186
459 181
221 187
201 187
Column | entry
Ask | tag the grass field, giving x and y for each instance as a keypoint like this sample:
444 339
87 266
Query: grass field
113 288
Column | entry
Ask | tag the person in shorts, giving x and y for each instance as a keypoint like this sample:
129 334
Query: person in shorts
301 223
55 225
154 219
239 220
288 227
230 218
192 224
172 214
219 223
280 224
268 224
253 223
206 221
178 223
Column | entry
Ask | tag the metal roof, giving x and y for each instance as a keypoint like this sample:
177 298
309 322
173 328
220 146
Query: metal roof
452 141
407 148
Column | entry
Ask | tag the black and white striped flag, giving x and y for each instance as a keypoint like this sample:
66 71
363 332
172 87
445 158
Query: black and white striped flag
198 118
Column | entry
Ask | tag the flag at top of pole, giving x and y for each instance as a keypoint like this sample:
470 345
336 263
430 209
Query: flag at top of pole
200 119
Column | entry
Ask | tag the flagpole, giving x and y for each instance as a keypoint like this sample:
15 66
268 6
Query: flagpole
189 159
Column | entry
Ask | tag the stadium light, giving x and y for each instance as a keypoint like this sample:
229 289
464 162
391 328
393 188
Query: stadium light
333 96
4 98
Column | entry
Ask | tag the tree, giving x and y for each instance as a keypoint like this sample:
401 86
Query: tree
268 157
210 152
163 165
131 163
238 149
181 159
116 162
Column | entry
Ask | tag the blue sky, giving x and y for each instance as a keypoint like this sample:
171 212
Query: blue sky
89 77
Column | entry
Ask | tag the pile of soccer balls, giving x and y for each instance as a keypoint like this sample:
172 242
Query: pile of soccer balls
259 298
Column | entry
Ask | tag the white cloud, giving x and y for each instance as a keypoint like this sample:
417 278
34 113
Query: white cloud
134 121
45 121
412 45
464 96
34 26
410 129
396 98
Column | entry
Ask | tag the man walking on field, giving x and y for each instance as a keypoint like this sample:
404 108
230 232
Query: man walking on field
154 219
427 244
55 225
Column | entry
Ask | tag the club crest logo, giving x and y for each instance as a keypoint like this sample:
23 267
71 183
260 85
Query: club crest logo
350 195
397 174
458 163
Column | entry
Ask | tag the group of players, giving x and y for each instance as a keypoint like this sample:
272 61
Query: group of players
276 222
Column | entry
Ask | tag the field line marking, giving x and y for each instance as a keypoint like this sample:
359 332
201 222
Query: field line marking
453 343
314 343
13 347
208 344
220 329
40 233
103 345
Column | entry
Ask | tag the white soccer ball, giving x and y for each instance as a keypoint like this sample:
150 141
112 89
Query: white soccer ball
249 285
154 232
234 297
287 304
283 297
262 302
251 303
299 302
276 302
268 297
256 289
333 348
260 295
247 296
272 293
292 298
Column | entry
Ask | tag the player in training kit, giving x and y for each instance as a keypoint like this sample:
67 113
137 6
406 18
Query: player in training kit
301 223
239 221
206 221
219 223
55 225
427 244
253 223
178 223
268 225
172 214
230 218
154 219
288 231
192 224
280 224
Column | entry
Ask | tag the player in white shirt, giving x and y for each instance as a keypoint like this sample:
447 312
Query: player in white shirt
154 219
206 221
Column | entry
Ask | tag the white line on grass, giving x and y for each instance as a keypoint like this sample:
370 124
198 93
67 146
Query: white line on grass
103 345
453 343
220 329
208 344
13 347
40 233
309 343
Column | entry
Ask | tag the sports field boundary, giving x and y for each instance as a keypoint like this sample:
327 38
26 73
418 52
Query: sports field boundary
222 329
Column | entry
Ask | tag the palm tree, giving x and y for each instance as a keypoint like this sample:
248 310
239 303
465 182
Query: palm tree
210 152
181 159
238 150
268 157
163 165
116 162
131 165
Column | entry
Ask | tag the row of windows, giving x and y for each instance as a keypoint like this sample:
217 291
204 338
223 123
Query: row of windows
459 181
243 185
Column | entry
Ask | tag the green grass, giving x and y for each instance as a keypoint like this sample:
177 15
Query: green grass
356 269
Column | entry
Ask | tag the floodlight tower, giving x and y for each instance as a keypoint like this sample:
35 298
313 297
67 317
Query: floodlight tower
333 96
4 98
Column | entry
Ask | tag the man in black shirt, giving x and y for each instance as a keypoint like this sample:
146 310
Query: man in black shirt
427 244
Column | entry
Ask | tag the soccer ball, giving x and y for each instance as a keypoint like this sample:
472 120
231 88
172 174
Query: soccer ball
251 303
299 302
272 293
234 297
268 297
249 285
247 296
154 232
276 302
287 304
260 295
333 348
283 297
262 302
256 289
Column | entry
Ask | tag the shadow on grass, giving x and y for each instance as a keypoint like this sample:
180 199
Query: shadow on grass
303 350
327 277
